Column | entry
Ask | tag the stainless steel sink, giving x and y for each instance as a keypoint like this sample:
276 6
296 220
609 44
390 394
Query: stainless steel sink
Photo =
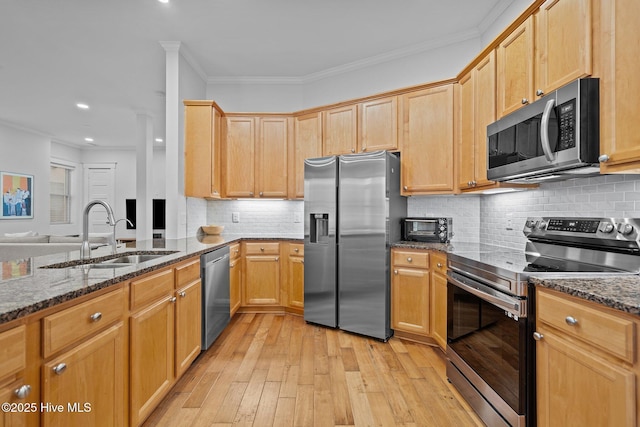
132 259
98 265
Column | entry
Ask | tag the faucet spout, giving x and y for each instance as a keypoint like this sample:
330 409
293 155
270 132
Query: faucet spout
85 249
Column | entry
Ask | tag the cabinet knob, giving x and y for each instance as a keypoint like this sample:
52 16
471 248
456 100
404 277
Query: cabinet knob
215 192
173 300
353 150
182 294
96 316
439 265
537 336
405 188
261 194
59 368
364 149
395 272
539 92
251 193
571 321
262 249
604 158
302 262
525 101
22 392
232 265
409 259
276 259
296 250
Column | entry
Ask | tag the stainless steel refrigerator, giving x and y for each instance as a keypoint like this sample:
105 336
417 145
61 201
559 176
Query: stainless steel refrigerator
352 208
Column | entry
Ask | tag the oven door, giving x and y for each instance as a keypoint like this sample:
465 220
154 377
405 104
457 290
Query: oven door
487 346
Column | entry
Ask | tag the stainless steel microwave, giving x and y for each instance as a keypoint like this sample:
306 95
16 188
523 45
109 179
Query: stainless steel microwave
554 138
436 230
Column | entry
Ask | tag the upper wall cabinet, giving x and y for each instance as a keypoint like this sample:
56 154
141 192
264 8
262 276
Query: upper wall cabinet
340 130
378 124
548 50
620 86
427 141
202 149
256 162
305 144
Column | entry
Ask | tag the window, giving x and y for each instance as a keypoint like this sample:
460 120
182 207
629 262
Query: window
60 195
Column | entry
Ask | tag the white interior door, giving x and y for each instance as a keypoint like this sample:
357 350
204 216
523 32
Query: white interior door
100 185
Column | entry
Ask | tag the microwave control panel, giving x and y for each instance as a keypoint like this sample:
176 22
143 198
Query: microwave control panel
567 125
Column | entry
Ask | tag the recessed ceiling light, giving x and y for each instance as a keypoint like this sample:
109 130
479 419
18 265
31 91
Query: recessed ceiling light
163 1
82 106
88 139
159 140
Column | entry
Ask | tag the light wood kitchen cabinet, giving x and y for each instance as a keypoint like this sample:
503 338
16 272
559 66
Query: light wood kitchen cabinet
272 159
305 144
88 381
438 298
378 125
152 343
239 156
261 279
515 61
202 149
586 364
427 141
410 292
235 278
340 134
188 315
295 278
14 389
619 86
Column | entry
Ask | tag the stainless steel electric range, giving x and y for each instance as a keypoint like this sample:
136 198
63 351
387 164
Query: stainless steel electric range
490 311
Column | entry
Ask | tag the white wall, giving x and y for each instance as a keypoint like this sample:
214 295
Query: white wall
254 96
26 152
515 8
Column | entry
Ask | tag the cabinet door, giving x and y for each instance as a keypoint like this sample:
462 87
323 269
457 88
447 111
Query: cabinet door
188 325
563 43
427 141
378 121
271 157
466 129
151 357
91 374
18 418
484 100
296 282
619 86
261 280
515 69
410 300
307 144
340 131
201 149
439 301
239 158
576 388
235 277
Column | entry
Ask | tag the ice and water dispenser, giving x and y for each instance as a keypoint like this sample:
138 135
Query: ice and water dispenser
319 232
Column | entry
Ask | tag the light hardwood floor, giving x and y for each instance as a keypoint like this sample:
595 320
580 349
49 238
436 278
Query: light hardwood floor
275 370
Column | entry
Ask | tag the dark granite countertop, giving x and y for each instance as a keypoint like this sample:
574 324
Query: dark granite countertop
26 288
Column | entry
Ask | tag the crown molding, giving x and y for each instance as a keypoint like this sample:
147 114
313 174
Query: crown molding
493 15
191 60
256 80
22 128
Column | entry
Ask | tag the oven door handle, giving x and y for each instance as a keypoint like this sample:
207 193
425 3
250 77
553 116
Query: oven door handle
514 306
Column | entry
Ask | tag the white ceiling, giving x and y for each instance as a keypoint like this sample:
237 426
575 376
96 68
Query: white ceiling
55 53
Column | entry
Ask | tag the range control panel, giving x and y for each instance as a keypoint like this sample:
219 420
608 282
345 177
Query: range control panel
565 229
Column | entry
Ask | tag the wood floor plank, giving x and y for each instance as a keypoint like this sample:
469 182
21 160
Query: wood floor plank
306 360
248 406
362 413
322 401
320 353
369 373
201 390
381 411
349 359
268 403
342 413
286 406
229 407
303 415
290 381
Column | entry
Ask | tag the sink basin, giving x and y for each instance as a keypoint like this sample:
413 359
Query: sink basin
131 259
112 265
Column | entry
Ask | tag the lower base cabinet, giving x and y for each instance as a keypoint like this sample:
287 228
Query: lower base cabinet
85 386
188 325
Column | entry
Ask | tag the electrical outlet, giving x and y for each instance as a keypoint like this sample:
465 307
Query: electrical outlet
297 217
509 224
235 216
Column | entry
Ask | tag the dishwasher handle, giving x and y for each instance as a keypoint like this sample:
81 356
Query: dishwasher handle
213 261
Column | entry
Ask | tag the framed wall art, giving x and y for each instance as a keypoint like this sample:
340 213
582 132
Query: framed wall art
17 195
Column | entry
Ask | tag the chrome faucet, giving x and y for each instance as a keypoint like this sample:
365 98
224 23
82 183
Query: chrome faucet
85 249
113 241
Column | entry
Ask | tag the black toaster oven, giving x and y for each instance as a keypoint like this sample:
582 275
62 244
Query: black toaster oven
436 230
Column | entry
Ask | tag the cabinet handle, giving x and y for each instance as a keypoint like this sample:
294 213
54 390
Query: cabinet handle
23 391
525 101
409 259
468 183
405 188
60 368
439 265
353 150
296 250
261 194
571 321
395 272
182 294
539 92
96 316
537 336
173 300
604 158
261 249
276 259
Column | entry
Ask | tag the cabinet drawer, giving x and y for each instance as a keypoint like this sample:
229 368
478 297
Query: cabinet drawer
260 248
234 251
610 333
410 259
70 325
187 273
439 262
12 351
150 288
296 249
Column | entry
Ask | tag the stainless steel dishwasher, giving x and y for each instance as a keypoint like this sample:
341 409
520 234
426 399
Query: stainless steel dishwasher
214 268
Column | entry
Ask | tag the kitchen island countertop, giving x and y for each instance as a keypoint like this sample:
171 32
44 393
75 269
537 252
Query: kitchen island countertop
26 288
